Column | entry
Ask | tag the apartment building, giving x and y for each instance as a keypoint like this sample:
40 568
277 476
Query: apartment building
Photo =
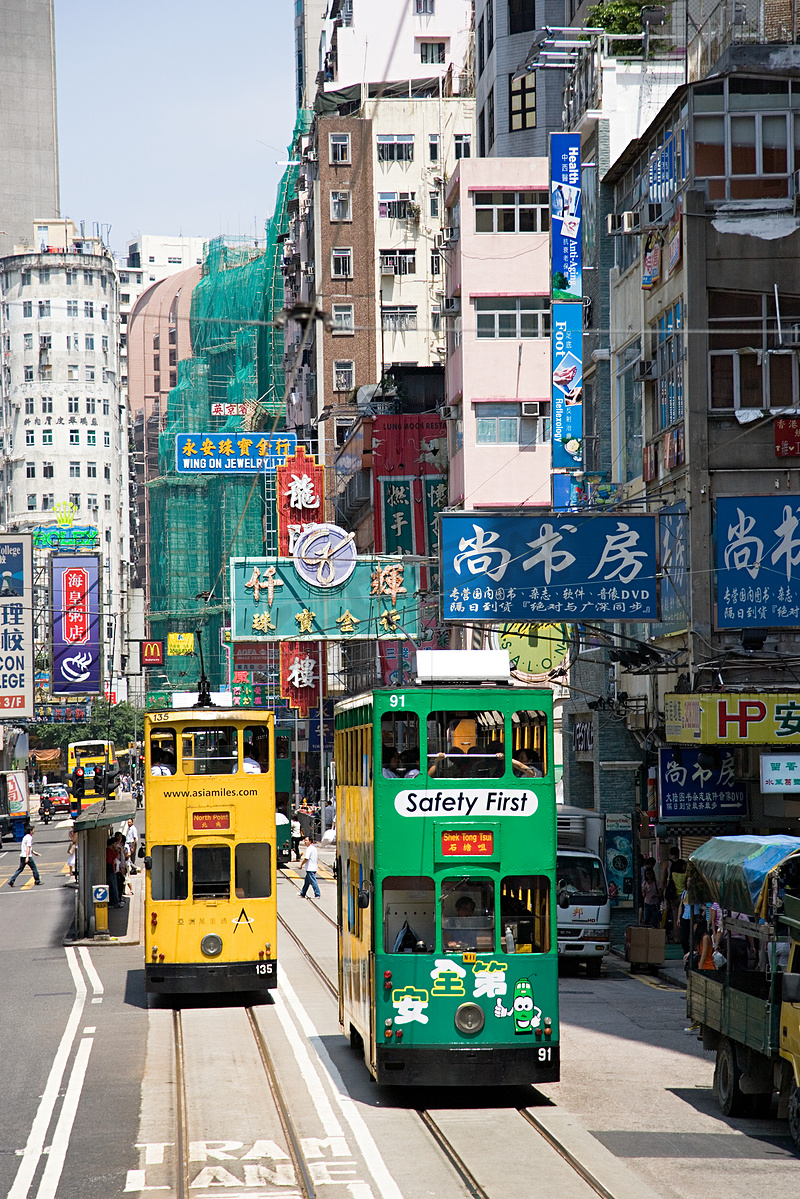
64 430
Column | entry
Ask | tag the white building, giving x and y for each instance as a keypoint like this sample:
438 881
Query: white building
64 427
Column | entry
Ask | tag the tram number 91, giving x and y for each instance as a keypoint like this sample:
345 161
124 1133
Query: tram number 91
397 701
545 1053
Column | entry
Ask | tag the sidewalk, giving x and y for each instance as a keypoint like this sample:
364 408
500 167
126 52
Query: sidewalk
671 971
124 924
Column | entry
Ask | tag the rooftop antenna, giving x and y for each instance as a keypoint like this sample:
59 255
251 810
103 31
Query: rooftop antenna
203 686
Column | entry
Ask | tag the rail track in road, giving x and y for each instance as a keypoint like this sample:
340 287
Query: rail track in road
468 1178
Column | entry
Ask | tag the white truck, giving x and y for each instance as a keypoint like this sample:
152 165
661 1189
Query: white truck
583 912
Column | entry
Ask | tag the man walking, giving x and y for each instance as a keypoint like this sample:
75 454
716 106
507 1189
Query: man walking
26 855
310 860
131 842
297 835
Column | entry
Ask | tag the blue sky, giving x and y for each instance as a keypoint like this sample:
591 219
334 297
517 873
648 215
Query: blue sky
164 109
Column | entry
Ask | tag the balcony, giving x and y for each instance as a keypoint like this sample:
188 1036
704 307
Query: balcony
736 23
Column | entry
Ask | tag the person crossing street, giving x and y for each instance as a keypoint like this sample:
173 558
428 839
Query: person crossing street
26 855
310 860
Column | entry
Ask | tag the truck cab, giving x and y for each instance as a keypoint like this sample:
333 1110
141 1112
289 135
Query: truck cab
583 911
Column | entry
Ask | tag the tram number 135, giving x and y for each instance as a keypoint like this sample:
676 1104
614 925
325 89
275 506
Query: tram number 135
266 968
545 1053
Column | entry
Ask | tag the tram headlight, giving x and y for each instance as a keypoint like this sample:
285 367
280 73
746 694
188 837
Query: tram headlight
211 945
469 1019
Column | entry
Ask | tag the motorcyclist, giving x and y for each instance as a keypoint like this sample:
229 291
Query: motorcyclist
46 809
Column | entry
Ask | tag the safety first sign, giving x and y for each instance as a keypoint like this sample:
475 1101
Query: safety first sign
733 718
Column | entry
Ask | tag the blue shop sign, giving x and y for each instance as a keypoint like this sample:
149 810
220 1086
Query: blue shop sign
758 548
239 453
689 790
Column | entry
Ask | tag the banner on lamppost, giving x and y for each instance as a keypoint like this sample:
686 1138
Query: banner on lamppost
567 386
16 626
565 215
75 591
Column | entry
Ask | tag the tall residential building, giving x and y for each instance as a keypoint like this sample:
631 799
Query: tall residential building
308 22
28 134
64 431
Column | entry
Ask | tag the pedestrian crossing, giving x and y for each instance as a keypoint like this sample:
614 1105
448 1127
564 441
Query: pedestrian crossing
30 881
323 872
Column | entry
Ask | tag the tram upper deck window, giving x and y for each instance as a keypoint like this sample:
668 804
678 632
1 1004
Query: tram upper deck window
529 744
466 745
400 745
169 874
255 749
253 871
211 872
210 751
467 914
162 751
525 912
409 914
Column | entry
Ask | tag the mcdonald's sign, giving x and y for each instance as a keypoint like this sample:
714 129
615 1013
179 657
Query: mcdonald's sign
152 653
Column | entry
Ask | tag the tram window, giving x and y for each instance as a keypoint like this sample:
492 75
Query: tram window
162 751
255 749
409 914
466 745
169 875
283 747
529 744
400 745
210 751
253 871
211 872
467 914
525 910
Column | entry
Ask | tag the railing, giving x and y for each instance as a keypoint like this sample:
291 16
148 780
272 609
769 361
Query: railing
583 87
739 23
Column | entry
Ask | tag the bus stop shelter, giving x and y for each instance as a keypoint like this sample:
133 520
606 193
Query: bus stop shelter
94 826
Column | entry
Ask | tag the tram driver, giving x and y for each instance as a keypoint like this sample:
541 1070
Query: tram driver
462 934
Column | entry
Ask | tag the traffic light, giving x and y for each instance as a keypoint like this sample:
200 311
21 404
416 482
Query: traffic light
77 783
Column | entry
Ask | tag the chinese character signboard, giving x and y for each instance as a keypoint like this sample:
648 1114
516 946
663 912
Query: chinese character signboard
673 534
565 215
325 591
300 674
300 495
152 653
787 437
16 626
64 713
733 718
561 568
758 550
75 592
689 790
409 463
230 409
232 453
780 772
567 390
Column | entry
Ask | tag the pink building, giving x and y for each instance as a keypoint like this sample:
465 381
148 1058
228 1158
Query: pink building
497 311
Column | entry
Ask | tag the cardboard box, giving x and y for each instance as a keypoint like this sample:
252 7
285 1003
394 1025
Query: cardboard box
645 946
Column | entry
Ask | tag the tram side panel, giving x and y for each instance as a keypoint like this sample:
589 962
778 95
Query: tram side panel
355 850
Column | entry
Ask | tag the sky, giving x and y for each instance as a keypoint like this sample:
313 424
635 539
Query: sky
172 113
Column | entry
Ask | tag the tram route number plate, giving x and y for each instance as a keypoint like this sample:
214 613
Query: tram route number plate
467 843
211 821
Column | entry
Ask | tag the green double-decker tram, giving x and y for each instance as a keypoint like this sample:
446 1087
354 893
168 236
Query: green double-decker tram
446 852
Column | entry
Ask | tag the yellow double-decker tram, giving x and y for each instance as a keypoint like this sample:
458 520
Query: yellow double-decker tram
210 898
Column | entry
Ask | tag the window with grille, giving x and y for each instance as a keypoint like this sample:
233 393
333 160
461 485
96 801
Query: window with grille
28 374
398 262
522 102
74 470
399 318
339 147
44 308
340 206
343 318
432 53
512 212
395 147
423 7
512 317
751 364
342 263
503 424
47 470
344 375
398 206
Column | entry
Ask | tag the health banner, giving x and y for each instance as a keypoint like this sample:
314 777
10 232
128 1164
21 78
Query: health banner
557 568
565 215
232 453
16 626
75 591
567 386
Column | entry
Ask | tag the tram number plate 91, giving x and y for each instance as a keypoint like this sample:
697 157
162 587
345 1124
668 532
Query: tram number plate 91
545 1053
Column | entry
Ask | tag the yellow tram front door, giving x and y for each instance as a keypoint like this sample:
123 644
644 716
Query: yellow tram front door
211 922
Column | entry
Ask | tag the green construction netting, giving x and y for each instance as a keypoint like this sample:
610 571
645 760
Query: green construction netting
198 523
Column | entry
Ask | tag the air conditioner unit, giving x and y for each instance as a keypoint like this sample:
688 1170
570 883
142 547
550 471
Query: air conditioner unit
448 412
791 336
613 223
451 305
644 369
630 222
535 407
656 214
449 234
438 241
388 267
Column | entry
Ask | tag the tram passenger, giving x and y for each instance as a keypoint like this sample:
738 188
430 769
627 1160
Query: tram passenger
409 760
525 766
391 763
250 762
158 764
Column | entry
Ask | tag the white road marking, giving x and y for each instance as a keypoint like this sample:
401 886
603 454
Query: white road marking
311 1078
33 1150
136 1182
387 1186
91 973
154 1151
58 1150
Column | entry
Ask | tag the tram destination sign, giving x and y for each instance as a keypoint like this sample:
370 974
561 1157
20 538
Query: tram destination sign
548 567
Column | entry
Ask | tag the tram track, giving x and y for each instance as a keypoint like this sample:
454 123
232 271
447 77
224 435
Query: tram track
457 1162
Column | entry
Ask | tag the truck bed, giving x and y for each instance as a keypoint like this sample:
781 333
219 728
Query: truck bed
741 1011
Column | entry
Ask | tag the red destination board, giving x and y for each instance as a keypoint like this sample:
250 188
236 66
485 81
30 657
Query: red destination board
203 822
468 844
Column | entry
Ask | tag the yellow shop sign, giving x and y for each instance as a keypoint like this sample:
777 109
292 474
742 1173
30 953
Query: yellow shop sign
733 718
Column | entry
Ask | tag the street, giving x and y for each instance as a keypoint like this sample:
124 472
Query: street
91 1107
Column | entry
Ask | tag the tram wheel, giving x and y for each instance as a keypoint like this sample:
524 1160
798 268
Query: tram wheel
731 1099
794 1115
356 1041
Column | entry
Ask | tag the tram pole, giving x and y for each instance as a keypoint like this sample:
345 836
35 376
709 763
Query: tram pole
321 745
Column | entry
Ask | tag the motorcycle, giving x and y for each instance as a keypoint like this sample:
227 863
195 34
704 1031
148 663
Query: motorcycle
45 811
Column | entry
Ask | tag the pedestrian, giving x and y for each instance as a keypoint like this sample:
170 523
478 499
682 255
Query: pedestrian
72 852
120 867
111 872
26 855
651 900
310 860
132 842
297 834
676 884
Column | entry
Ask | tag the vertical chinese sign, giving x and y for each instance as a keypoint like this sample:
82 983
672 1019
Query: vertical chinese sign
16 626
409 471
567 295
300 676
75 592
300 493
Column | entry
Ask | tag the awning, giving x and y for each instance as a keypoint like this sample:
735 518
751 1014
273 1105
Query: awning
46 755
116 810
733 871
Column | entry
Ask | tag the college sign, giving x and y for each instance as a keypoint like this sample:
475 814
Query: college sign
733 718
16 627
